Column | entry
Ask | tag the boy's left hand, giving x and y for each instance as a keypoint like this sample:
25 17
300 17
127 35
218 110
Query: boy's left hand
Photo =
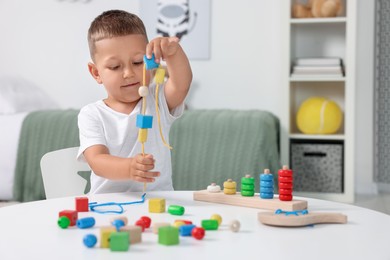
162 47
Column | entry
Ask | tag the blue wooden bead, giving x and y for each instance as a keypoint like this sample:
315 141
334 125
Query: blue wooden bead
267 189
85 222
264 195
266 183
144 121
150 63
89 240
185 230
266 177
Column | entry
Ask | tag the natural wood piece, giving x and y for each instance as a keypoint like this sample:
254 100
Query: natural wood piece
270 218
251 202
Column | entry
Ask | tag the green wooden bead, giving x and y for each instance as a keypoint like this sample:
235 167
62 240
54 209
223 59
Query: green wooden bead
63 222
176 210
248 193
247 180
247 187
210 224
119 241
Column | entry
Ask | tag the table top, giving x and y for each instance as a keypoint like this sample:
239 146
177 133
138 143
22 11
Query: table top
30 231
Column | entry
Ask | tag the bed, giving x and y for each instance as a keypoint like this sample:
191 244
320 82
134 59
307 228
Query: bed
208 146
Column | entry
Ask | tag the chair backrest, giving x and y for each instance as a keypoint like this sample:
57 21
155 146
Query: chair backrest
59 173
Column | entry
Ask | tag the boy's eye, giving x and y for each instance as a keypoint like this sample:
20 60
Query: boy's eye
137 63
113 67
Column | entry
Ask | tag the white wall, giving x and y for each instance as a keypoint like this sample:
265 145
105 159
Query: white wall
45 41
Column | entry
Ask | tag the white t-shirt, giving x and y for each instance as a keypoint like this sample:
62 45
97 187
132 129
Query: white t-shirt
99 124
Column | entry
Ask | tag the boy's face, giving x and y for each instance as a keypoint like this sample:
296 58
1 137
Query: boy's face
119 67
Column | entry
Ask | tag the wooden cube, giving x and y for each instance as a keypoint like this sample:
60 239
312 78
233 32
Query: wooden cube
156 205
71 214
105 233
119 241
144 121
82 204
157 225
168 235
135 233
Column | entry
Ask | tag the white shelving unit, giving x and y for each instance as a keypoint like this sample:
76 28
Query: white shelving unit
321 37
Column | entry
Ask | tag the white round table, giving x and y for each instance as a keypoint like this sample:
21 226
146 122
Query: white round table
30 231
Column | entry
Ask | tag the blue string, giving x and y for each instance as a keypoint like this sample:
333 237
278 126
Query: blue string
93 205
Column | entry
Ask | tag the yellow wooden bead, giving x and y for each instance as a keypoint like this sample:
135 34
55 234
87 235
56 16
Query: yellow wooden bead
217 217
160 76
229 191
229 184
142 135
178 224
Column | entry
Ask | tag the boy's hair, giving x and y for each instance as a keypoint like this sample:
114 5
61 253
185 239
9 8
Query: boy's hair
113 23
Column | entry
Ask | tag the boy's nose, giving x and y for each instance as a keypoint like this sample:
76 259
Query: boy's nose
128 72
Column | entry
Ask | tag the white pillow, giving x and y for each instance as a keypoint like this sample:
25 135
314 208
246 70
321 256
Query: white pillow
19 95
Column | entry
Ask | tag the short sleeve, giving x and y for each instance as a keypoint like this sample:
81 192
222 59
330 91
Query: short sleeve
90 130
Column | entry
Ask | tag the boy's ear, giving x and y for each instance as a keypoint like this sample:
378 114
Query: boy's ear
94 72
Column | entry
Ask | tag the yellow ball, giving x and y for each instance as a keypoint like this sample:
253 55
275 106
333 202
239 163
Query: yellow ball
318 115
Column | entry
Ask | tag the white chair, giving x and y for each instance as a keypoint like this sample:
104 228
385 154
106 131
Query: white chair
59 173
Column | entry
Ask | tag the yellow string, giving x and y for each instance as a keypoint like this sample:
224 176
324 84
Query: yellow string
159 121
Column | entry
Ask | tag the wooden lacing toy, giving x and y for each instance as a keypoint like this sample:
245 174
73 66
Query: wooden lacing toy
145 121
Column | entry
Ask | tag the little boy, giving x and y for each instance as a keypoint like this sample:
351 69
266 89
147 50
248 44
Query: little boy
108 133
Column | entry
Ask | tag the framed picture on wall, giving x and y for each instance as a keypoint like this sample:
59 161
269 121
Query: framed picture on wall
189 20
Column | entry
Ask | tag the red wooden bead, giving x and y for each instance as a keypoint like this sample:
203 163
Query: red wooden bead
82 204
187 222
285 197
285 185
71 214
285 191
285 173
285 179
198 233
141 223
147 221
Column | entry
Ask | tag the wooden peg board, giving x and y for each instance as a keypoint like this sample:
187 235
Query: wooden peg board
251 202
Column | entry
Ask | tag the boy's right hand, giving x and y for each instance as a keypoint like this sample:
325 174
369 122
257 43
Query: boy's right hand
140 168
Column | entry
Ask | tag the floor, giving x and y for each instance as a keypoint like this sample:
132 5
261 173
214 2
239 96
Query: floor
379 202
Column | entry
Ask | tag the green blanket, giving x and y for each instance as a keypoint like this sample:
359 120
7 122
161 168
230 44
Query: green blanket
42 132
214 145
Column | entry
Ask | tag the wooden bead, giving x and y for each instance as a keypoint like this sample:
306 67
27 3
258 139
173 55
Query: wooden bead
160 76
217 217
213 187
142 135
229 184
143 91
235 225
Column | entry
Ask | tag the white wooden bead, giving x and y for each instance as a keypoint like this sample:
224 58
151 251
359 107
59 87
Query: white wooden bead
235 225
213 188
143 91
